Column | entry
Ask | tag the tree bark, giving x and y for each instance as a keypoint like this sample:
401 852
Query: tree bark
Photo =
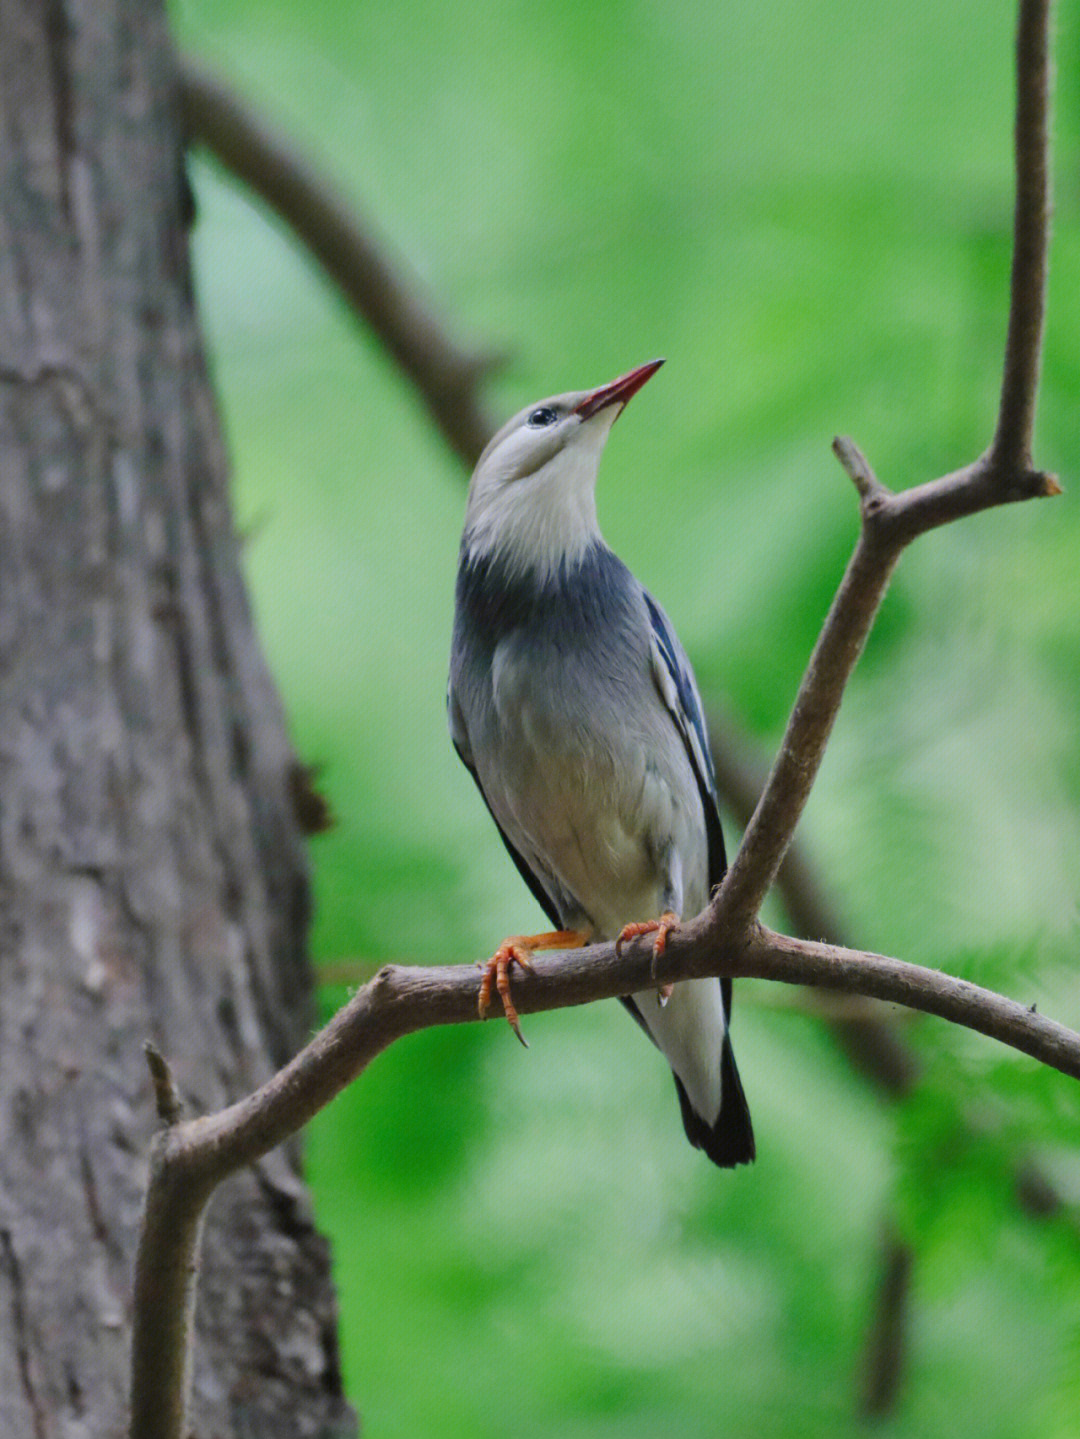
152 875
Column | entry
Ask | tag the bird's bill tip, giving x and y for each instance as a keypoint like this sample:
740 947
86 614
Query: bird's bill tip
616 392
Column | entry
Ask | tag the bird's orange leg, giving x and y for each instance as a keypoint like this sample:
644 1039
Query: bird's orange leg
661 927
517 950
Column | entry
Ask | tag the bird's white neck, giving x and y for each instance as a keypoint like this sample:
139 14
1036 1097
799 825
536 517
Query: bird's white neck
536 523
539 525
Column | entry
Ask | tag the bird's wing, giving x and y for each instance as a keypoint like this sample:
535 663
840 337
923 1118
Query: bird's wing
678 689
675 681
727 1138
459 737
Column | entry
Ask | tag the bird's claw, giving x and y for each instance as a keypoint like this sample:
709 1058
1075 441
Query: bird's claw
497 968
661 927
517 951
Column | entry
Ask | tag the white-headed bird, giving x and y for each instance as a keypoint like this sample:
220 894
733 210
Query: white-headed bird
575 710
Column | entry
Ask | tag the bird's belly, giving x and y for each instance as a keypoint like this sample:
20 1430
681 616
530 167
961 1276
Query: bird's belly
597 842
600 819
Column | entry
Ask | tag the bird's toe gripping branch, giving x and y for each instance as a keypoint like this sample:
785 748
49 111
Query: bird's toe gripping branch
517 951
662 927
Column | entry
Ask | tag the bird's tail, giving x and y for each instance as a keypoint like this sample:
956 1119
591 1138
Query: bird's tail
730 1140
692 1031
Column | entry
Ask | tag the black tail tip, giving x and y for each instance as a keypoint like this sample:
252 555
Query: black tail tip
730 1141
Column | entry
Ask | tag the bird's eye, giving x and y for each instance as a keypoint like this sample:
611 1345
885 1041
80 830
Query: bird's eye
545 415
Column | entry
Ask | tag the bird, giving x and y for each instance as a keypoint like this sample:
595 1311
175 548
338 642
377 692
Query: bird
574 707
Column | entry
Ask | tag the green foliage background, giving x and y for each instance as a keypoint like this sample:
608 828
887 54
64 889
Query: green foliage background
806 208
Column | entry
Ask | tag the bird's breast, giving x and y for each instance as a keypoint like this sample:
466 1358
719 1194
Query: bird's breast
593 779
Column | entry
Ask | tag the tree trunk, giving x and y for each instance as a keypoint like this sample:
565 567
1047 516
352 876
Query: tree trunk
152 874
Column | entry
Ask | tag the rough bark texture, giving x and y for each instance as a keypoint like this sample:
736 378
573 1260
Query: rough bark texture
152 879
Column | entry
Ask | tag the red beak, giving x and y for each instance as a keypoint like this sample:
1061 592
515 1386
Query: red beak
618 392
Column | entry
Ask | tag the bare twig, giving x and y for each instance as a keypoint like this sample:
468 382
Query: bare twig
166 1266
166 1095
835 1009
865 1033
1011 448
889 523
446 377
192 1157
857 468
769 832
776 956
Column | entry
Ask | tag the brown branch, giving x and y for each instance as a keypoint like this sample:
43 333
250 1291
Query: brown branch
192 1157
166 1266
167 1100
800 961
446 377
837 1008
1011 448
889 523
773 822
407 999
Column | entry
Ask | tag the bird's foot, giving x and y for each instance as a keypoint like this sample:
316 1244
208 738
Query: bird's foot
517 951
661 927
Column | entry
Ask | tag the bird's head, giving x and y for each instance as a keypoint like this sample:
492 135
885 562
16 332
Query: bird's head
532 498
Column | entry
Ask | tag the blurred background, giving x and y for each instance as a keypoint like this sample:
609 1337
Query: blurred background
807 210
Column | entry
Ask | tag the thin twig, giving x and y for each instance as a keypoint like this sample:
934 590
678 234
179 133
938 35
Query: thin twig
857 468
166 1267
765 842
837 1010
446 377
865 1033
1011 448
170 1107
802 961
